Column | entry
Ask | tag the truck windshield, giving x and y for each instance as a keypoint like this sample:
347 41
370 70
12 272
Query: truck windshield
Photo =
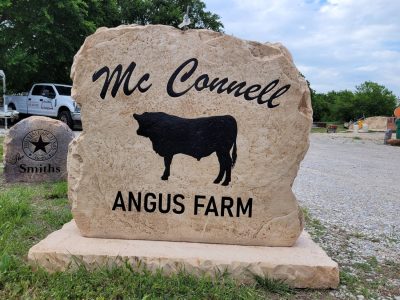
63 90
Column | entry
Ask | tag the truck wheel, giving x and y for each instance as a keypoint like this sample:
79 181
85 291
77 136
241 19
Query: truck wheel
65 117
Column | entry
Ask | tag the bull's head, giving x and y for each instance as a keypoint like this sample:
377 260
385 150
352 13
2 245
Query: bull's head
146 123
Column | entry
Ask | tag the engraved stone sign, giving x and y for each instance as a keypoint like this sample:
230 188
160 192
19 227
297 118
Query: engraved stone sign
35 150
188 136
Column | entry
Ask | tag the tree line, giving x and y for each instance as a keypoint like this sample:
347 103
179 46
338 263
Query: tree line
369 99
39 38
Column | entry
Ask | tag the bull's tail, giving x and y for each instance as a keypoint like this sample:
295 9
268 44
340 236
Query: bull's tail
234 154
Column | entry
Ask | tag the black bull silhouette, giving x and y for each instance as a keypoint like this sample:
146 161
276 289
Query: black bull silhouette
198 138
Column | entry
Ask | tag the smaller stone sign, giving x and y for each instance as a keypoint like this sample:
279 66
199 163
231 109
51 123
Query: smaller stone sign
36 150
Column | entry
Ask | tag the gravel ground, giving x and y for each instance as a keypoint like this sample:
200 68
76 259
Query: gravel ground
354 184
350 186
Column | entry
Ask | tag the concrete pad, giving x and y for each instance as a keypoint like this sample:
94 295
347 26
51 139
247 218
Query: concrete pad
305 265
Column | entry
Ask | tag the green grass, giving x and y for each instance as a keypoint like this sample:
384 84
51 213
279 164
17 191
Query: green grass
313 225
272 285
28 213
362 278
1 147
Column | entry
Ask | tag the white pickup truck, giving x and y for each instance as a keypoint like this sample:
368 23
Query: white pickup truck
47 99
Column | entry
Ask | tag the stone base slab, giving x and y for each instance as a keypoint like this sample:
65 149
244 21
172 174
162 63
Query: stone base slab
305 265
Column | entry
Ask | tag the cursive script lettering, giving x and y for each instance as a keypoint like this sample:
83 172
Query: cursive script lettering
118 80
15 159
222 85
185 74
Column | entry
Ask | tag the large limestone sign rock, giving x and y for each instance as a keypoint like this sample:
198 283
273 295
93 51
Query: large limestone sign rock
188 136
35 150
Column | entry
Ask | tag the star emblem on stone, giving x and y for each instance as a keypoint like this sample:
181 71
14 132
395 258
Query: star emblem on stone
40 145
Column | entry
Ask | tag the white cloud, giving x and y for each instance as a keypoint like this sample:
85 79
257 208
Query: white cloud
367 68
336 44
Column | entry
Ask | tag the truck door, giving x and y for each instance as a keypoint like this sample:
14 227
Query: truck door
41 100
47 102
34 100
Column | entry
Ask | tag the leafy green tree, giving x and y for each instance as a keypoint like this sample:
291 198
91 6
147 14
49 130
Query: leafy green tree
39 38
369 99
342 106
372 99
321 107
168 12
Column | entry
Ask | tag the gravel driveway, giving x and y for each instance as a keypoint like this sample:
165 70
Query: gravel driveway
353 183
349 186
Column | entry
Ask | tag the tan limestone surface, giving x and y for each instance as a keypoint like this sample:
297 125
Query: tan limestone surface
305 265
377 123
35 150
109 156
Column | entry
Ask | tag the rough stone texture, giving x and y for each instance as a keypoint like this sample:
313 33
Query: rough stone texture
375 123
35 150
109 156
305 265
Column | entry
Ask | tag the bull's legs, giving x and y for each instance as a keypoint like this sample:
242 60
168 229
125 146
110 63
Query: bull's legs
221 168
228 168
225 165
167 162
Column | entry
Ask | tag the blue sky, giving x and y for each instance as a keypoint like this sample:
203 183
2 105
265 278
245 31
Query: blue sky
336 44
